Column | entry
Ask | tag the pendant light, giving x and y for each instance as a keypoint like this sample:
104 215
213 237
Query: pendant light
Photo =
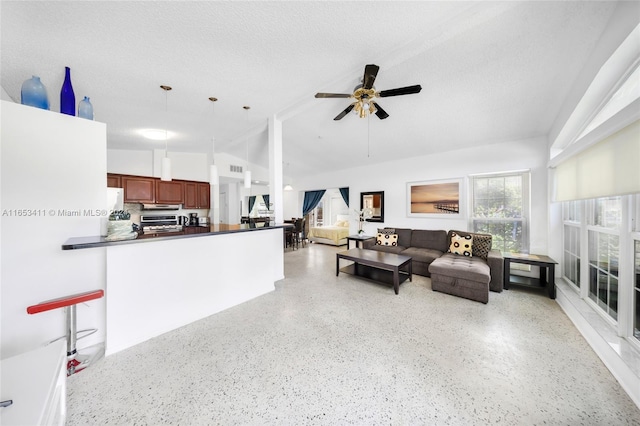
165 169
247 173
214 178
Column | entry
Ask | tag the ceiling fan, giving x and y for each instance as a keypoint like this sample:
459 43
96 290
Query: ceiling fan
364 95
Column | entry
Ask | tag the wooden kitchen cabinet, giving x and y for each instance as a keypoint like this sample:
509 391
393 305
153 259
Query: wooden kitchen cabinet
114 181
196 195
169 192
204 199
138 189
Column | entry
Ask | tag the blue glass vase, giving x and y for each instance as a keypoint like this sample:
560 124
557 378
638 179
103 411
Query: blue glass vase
67 97
33 93
85 109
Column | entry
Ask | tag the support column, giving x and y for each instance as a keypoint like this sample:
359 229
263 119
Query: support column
275 167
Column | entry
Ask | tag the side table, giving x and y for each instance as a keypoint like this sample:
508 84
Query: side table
547 271
359 239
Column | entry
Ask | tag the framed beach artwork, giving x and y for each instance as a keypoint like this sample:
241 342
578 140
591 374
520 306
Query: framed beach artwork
436 199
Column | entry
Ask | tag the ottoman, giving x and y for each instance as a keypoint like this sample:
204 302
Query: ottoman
461 276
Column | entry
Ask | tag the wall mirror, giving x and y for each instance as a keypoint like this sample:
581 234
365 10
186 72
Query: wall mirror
375 202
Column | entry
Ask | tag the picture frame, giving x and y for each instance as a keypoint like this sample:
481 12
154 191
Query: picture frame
438 199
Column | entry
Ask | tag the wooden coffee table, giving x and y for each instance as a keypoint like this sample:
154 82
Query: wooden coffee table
376 265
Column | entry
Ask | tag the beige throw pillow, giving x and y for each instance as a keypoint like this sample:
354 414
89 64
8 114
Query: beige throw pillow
461 244
387 239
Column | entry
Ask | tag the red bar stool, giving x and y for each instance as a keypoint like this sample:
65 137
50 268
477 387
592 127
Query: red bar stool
75 361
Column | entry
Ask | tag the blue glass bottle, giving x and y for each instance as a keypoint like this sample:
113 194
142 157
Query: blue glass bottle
33 93
67 97
85 109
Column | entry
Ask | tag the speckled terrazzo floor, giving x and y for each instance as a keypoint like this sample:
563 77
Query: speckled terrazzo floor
327 350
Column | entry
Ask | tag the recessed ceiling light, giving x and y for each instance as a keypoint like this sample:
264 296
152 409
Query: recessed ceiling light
155 134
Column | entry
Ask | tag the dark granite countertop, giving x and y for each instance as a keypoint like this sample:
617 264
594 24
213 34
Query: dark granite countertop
76 243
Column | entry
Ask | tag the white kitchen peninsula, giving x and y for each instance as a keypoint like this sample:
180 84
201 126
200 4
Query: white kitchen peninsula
157 285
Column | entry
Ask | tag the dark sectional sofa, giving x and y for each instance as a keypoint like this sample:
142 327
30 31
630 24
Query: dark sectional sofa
470 277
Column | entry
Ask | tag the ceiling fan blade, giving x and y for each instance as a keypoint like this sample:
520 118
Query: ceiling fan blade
346 111
370 73
401 91
332 95
382 114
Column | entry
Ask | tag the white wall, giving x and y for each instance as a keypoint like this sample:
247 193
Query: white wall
290 205
500 157
4 95
51 163
130 162
184 165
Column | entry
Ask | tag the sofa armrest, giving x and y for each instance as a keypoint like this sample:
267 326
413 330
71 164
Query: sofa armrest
496 267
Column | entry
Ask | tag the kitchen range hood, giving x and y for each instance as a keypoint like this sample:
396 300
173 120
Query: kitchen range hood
148 207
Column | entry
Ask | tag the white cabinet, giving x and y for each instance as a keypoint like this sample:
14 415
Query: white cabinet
36 381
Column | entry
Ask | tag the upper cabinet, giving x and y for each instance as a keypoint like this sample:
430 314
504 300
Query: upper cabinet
204 199
196 195
114 181
138 189
142 189
169 192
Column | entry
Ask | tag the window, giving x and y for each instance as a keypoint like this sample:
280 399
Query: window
604 221
605 212
316 215
603 271
500 207
571 211
571 214
572 254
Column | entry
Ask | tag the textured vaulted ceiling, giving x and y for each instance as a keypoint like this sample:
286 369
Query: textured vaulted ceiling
490 71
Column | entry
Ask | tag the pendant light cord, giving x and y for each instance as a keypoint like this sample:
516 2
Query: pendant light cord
166 118
213 131
247 109
166 121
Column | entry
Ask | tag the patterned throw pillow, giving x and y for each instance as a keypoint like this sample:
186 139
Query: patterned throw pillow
461 244
387 239
481 245
386 231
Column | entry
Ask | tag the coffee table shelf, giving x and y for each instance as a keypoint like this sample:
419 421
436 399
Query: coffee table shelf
382 262
374 274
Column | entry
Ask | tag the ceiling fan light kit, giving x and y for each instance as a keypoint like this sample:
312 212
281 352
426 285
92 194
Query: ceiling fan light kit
364 95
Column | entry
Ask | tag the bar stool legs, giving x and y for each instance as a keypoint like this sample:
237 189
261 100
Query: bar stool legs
75 361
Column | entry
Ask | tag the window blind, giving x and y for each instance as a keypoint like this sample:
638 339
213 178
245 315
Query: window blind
610 167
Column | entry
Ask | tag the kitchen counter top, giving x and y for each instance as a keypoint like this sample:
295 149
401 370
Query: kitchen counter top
76 243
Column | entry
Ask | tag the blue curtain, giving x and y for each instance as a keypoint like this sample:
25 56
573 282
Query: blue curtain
311 200
345 195
266 201
252 201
